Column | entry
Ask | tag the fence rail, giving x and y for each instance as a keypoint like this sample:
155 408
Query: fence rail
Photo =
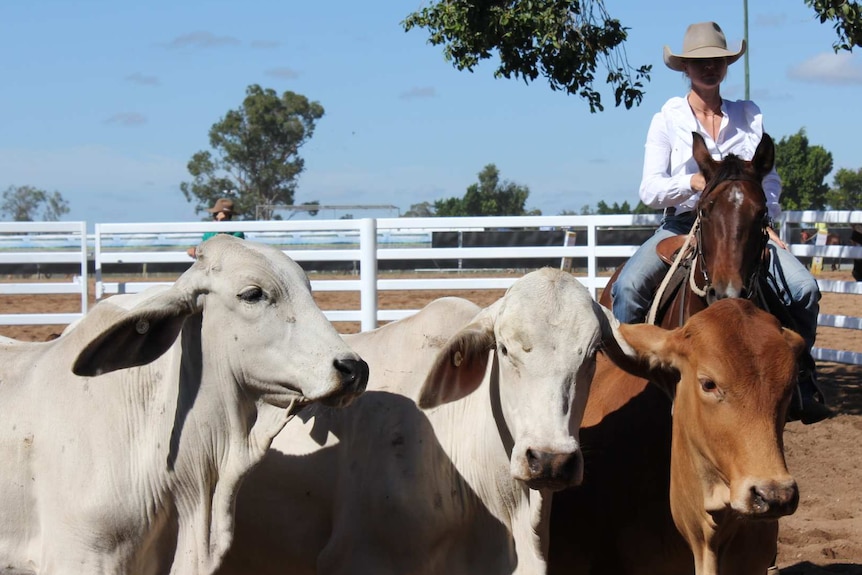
37 244
362 246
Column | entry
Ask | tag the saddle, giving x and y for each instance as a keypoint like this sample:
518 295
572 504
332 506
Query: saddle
668 250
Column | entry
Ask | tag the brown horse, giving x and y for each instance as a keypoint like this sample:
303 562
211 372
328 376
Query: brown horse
700 490
725 251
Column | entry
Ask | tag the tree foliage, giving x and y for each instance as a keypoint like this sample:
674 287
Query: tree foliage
602 208
846 18
803 169
847 191
563 40
488 197
255 153
26 204
420 210
567 41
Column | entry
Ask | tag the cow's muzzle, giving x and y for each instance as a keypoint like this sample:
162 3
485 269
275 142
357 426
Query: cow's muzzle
353 375
771 499
553 470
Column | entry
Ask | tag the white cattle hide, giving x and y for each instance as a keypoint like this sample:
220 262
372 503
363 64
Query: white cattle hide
124 441
446 465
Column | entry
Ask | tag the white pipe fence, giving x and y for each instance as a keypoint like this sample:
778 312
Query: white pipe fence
362 245
35 246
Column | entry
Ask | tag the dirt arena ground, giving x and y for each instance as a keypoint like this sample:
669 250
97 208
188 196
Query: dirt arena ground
825 534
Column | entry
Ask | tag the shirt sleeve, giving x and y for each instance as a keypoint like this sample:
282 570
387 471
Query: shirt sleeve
660 189
771 181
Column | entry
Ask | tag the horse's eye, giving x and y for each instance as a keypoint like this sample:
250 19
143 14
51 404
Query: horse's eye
251 294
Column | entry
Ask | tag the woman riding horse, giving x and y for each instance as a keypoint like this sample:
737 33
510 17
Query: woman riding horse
672 180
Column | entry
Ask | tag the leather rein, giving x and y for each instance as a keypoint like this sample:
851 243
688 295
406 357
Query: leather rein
752 286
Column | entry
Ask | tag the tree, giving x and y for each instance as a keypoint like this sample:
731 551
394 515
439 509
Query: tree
488 197
847 21
602 208
25 203
255 153
847 193
566 41
563 40
803 169
420 210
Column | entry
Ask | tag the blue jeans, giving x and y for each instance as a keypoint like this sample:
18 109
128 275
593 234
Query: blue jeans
640 277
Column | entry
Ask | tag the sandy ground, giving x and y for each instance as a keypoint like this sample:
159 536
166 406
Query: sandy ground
823 536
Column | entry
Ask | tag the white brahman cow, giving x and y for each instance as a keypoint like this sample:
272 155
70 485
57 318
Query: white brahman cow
123 442
459 484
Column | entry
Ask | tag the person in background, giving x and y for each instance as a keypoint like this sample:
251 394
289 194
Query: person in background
671 180
222 211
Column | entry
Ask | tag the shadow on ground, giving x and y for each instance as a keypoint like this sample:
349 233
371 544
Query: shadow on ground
806 568
842 385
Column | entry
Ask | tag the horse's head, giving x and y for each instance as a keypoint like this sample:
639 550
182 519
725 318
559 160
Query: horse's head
733 219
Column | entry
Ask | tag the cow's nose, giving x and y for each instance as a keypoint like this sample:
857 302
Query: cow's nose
354 374
554 470
774 499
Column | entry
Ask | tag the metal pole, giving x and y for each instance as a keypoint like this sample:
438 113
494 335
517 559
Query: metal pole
368 273
745 35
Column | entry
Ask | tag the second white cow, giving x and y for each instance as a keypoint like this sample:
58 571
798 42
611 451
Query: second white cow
460 486
107 470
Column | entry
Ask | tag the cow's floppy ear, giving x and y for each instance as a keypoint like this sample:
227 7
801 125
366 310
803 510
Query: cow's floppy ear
460 365
650 352
795 341
129 338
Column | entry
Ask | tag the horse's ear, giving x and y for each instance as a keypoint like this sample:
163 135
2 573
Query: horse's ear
702 156
764 156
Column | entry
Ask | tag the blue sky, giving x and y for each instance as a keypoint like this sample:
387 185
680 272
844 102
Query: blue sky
106 101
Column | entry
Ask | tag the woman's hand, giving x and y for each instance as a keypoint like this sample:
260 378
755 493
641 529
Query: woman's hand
774 237
698 182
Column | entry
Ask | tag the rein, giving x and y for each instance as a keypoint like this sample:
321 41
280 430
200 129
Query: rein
752 286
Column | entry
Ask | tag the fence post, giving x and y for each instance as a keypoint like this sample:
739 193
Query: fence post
368 273
592 263
85 278
97 259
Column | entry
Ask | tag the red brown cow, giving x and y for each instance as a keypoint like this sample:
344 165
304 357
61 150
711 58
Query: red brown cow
691 485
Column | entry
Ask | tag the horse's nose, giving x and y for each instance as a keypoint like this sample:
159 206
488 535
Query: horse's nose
711 295
718 291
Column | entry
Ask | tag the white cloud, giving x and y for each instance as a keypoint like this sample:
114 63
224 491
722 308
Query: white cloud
283 73
142 79
418 92
202 40
127 119
829 68
770 20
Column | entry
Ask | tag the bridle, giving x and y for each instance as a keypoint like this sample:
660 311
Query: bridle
751 287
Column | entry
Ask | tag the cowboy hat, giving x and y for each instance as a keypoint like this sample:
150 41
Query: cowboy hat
702 40
222 205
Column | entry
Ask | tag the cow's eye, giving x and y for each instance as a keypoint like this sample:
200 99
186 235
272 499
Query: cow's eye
251 294
708 385
503 350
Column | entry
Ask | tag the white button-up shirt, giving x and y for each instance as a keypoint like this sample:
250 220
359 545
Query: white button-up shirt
668 161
